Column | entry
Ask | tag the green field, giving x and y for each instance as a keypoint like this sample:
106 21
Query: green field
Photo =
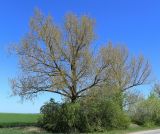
16 120
11 123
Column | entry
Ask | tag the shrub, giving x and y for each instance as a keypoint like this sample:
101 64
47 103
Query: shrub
49 111
97 115
149 124
65 117
106 114
148 111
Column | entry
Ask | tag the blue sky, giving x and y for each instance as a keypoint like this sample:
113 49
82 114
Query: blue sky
134 23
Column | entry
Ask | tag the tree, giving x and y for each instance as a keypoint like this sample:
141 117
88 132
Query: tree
156 89
132 99
57 60
125 71
60 60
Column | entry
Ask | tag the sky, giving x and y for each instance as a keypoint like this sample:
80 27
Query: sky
134 23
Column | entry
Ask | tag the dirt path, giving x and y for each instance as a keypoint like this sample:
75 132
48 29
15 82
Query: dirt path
157 131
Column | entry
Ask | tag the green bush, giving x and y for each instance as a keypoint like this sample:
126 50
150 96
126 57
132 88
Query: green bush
72 116
106 114
147 112
98 115
49 111
149 124
63 118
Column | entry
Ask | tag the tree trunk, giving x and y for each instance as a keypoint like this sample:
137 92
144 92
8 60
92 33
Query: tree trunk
73 99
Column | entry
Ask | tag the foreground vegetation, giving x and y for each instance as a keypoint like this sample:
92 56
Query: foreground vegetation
17 120
34 130
96 87
100 113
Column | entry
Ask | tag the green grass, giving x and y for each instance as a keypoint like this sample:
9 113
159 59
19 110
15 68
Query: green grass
15 120
131 129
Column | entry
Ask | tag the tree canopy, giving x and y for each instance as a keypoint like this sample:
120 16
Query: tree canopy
60 60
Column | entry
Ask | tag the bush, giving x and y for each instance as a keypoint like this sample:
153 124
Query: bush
149 124
98 115
49 111
64 118
106 114
147 112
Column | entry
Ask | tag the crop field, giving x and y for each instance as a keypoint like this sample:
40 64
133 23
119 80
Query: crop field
17 120
11 123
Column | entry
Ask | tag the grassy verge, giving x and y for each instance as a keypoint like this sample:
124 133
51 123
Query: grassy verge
136 129
35 130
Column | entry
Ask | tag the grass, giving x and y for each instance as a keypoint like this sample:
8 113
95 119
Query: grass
17 120
131 129
12 123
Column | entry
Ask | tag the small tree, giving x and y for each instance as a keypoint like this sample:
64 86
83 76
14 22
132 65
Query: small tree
147 112
156 89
